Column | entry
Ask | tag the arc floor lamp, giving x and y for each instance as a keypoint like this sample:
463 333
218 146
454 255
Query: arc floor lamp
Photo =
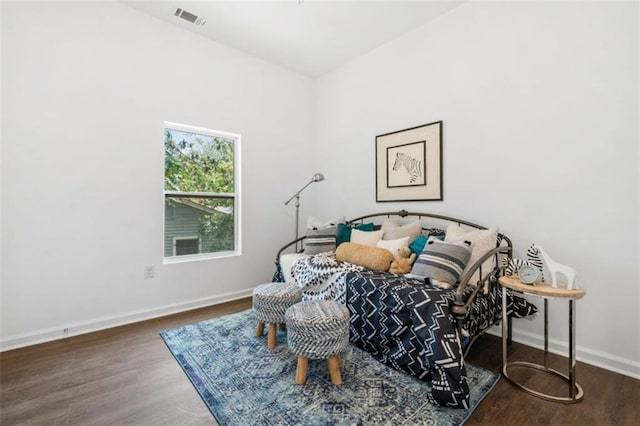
318 177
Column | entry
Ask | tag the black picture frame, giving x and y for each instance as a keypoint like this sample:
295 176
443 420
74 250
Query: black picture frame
409 164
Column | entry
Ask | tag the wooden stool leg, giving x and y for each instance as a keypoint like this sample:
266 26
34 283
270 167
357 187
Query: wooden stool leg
260 329
301 370
334 370
271 337
283 326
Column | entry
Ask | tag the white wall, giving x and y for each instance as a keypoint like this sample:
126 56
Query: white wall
86 88
1 173
540 108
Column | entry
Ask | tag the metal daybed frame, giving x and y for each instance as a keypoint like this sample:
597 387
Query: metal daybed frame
461 308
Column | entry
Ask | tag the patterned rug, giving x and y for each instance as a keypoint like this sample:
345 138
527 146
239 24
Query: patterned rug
244 383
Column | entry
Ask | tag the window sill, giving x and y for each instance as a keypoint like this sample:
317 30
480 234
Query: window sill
200 257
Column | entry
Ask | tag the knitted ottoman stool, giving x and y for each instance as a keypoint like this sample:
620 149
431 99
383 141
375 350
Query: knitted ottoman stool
270 301
318 329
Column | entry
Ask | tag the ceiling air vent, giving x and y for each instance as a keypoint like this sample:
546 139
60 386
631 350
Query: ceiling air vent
197 20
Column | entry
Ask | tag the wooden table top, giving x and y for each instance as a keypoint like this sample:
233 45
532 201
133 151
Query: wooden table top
542 289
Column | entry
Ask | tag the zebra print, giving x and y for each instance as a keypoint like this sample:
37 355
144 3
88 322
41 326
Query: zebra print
533 254
513 265
412 165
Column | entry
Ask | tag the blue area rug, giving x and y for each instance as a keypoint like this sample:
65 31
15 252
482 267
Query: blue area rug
244 383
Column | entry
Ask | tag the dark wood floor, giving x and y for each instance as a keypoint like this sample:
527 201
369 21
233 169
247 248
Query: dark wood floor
126 375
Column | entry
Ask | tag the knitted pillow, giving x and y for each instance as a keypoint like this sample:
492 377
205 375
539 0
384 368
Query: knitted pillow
440 261
320 240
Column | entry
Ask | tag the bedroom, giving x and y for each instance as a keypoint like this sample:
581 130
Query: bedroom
540 109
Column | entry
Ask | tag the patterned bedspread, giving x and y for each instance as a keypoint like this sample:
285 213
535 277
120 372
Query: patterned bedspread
322 277
407 325
404 322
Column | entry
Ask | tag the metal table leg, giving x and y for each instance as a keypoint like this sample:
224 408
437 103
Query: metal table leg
575 391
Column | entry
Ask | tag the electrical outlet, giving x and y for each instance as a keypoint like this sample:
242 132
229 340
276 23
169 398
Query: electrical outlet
65 331
149 271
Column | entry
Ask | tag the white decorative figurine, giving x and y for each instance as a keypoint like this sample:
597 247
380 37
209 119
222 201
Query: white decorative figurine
556 268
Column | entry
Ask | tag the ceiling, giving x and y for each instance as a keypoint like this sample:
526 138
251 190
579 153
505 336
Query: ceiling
312 37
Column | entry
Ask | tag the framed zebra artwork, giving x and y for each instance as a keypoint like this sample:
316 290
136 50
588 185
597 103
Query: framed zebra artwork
409 164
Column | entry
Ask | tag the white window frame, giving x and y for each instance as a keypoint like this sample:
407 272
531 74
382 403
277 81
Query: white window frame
235 195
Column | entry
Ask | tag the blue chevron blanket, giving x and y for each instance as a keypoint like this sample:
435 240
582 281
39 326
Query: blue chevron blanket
408 325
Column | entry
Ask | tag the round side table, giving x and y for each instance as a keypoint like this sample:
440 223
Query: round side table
546 292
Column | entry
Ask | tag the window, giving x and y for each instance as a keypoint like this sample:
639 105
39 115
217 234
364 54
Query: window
187 245
201 192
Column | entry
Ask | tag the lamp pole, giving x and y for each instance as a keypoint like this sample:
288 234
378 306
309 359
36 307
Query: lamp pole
297 217
318 177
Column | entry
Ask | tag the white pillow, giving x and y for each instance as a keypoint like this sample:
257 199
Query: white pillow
393 230
368 238
482 241
317 223
394 245
286 264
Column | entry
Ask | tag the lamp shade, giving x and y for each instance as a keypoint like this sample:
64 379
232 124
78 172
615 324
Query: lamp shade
317 177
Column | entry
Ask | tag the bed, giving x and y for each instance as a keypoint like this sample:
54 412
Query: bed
408 323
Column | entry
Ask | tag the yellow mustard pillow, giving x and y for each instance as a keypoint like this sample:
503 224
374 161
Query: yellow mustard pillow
374 258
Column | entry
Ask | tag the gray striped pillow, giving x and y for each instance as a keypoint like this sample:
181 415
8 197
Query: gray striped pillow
320 240
443 262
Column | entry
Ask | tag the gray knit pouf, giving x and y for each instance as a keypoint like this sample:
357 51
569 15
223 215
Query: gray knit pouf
270 301
318 329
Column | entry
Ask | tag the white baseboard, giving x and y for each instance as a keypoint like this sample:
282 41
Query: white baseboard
96 324
604 360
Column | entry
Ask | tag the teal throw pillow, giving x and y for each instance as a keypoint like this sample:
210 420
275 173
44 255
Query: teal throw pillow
418 244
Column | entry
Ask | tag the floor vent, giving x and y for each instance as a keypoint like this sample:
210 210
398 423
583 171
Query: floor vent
197 20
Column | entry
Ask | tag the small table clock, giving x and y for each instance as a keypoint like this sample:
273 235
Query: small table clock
529 274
